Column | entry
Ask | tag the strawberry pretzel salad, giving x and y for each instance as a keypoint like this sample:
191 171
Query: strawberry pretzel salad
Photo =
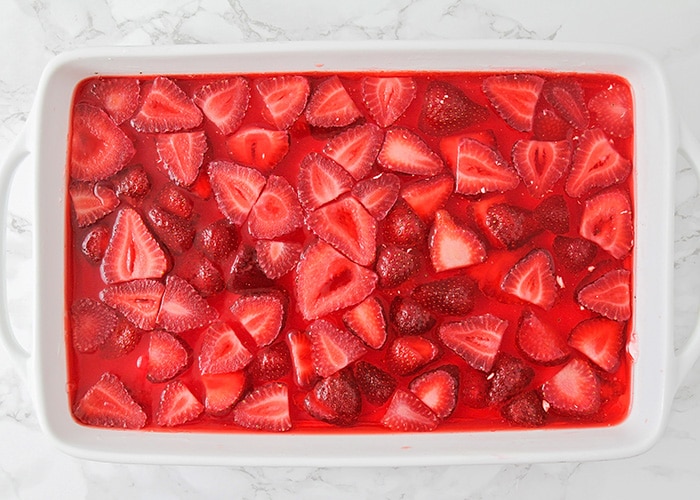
350 252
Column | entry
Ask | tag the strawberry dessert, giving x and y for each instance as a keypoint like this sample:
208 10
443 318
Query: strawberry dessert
350 252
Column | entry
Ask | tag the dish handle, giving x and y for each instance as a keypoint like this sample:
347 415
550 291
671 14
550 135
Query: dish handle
18 153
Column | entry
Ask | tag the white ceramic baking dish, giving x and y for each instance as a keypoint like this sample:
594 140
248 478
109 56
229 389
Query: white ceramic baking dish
657 369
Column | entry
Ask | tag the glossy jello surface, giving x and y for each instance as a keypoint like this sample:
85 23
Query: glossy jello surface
350 252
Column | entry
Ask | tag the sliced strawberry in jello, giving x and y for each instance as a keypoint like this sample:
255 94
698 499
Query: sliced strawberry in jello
449 145
201 273
236 189
447 109
175 200
403 227
612 110
378 194
277 258
132 182
217 240
387 98
541 164
566 96
477 339
480 169
553 214
525 409
532 279
299 344
137 300
167 357
574 390
540 341
408 317
405 152
336 399
407 413
277 210
510 226
133 252
175 232
607 221
95 243
124 339
224 102
92 202
330 105
514 97
601 340
453 246
118 96
258 147
427 196
510 375
321 180
99 148
91 323
548 125
452 296
333 349
222 391
182 307
177 405
182 154
270 363
376 384
284 97
262 314
108 403
266 408
356 148
245 272
395 265
367 321
609 295
407 355
222 351
165 108
438 389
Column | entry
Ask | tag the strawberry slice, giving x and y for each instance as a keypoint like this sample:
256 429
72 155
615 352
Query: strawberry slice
601 340
133 252
245 271
409 354
403 227
347 226
387 98
182 307
510 375
566 96
99 149
270 363
258 147
532 279
91 202
222 391
236 189
137 300
333 349
395 265
452 296
405 152
284 97
540 342
480 169
119 97
378 194
177 405
224 102
95 243
299 344
609 295
202 274
366 320
91 324
261 314
321 180
446 110
330 105
277 258
218 240
548 125
356 148
438 390
167 357
514 97
612 110
525 409
453 246
336 400
596 164
553 214
427 196
182 154
408 317
507 225
123 339
222 351
165 108
575 254
574 390
265 409
132 182
277 210
108 404
407 413
174 201
376 384
477 339
607 221
175 232
475 388
449 146
541 164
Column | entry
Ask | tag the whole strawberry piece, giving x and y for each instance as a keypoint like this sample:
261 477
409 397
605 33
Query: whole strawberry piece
376 384
446 110
335 399
409 317
453 296
395 265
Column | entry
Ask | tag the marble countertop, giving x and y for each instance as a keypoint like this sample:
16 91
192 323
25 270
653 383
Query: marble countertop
33 31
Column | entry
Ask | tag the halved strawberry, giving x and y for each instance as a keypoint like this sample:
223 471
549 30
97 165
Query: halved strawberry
299 344
447 109
182 307
222 391
408 317
601 340
182 154
224 102
409 354
566 96
553 214
378 194
475 388
387 98
335 399
174 200
395 265
532 279
525 409
449 145
330 105
108 403
167 357
596 164
165 108
132 182
575 254
133 252
452 296
266 409
480 169
403 227
539 341
245 271
366 320
453 246
376 384
270 363
284 97
427 196
609 295
333 349
138 300
277 258
607 221
477 339
91 202
347 226
407 413
236 189
356 148
405 152
511 226
217 240
258 147
91 323
261 314
99 149
201 273
222 351
124 339
95 243
510 375
119 97
177 405
321 180
547 125
175 232
277 210
541 164
438 389
573 390
612 110
514 97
